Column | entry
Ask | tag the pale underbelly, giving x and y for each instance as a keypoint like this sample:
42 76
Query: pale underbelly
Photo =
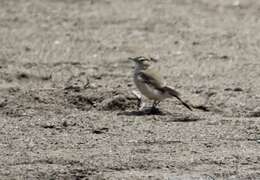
150 92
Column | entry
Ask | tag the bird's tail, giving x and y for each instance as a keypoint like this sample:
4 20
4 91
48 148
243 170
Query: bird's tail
176 94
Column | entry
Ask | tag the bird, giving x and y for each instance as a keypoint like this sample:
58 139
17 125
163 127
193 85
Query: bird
150 84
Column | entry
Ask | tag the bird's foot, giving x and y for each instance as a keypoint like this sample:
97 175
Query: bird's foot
154 110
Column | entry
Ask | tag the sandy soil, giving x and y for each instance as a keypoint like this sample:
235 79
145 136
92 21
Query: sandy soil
66 107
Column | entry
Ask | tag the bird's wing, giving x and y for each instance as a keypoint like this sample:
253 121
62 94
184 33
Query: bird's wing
172 91
151 78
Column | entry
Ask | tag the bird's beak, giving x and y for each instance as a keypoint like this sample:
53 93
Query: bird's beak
154 60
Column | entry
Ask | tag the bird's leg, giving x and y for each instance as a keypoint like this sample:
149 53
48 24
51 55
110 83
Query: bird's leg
155 103
141 104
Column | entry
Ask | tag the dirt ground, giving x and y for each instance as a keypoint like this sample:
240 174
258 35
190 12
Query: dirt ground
66 105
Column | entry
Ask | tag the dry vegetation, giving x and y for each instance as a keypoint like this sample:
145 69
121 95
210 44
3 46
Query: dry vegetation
66 107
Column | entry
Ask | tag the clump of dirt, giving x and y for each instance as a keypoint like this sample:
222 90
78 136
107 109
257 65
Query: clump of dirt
119 102
81 97
80 101
77 83
102 100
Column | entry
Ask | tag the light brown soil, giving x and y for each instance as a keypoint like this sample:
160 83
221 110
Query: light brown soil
66 105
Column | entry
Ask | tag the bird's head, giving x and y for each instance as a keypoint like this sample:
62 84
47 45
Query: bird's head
142 62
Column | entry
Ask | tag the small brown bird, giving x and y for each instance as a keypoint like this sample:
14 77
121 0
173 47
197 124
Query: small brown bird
149 83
